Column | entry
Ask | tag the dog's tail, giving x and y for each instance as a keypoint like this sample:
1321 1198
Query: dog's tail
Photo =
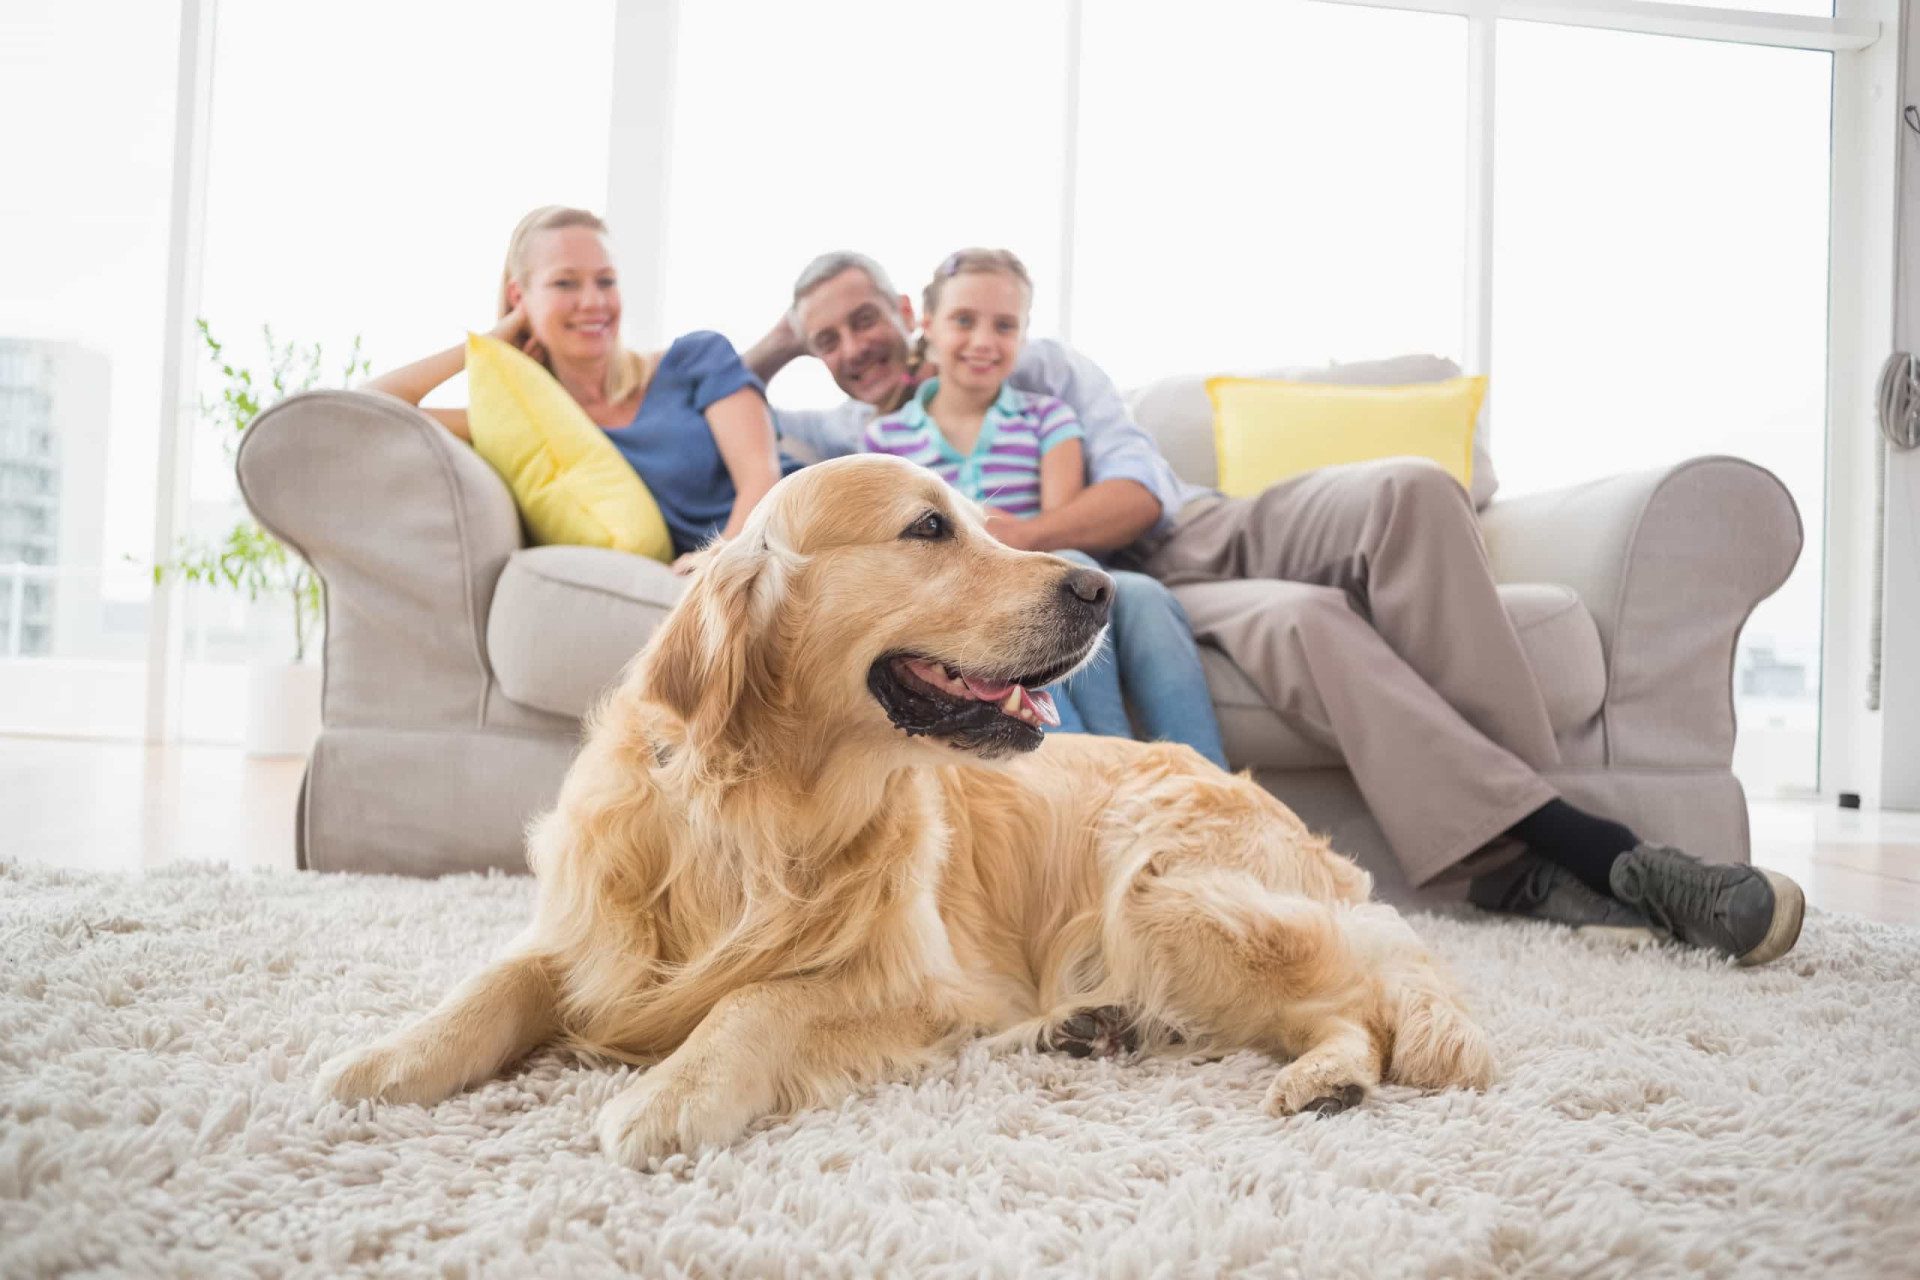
1436 1044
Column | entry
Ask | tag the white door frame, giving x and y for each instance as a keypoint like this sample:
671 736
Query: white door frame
1888 81
193 109
1859 338
1900 667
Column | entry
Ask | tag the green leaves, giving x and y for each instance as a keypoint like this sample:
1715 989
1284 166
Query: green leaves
249 559
291 367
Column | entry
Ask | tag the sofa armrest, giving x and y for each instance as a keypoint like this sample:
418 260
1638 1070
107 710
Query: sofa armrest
408 528
1670 563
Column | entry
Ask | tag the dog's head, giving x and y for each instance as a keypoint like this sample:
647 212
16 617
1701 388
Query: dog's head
865 604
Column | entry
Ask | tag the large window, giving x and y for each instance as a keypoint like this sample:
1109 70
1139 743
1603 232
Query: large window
1212 186
1264 185
901 131
1660 291
368 185
367 189
83 214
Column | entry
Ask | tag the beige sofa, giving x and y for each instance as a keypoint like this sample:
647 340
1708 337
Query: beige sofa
459 660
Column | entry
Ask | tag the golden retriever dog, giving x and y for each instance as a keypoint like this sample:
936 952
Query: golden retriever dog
816 837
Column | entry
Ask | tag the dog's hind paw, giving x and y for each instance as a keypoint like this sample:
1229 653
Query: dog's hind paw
1105 1032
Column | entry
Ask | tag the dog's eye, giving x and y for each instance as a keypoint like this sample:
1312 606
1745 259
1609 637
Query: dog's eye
931 527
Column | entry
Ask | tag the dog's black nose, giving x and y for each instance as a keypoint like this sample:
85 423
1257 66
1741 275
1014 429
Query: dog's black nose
1091 590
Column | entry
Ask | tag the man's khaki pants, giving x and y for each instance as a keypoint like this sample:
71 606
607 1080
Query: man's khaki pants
1360 602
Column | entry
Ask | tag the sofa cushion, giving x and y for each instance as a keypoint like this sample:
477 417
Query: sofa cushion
1254 734
1176 413
1563 648
1561 643
1266 430
566 621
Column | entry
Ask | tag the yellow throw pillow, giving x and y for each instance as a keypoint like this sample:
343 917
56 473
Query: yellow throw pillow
571 483
1265 430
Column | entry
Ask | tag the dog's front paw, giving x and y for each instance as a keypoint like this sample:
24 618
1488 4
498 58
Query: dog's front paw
657 1116
384 1072
1316 1091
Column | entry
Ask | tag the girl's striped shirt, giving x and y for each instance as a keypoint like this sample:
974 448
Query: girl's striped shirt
1003 469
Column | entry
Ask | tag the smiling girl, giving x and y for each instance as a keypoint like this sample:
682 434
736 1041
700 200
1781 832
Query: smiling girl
1020 454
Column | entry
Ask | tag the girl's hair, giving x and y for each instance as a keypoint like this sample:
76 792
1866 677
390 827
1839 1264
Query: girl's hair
630 371
967 261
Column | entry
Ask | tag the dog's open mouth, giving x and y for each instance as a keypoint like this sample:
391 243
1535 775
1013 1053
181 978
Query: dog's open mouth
1012 697
988 713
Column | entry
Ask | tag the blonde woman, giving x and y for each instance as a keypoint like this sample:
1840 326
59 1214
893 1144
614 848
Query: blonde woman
692 420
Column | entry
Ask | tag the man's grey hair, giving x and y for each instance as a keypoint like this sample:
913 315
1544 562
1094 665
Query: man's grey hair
826 267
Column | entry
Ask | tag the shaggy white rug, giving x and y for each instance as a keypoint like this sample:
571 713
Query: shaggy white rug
1660 1114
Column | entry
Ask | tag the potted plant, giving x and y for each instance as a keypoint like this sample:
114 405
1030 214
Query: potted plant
283 696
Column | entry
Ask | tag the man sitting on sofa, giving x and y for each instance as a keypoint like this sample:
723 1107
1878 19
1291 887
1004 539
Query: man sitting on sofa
1360 602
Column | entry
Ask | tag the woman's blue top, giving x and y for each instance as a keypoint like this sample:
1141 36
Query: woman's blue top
670 444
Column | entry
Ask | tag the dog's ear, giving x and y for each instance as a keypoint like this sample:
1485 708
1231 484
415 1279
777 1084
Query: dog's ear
708 656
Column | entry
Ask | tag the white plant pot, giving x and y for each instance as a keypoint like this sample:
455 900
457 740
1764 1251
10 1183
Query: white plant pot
283 708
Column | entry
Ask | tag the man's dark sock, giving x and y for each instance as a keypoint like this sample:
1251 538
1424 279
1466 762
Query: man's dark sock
1580 842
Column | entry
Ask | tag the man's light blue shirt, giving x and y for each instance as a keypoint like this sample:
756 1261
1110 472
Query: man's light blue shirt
1117 449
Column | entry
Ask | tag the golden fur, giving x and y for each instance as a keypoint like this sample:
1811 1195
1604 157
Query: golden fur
756 883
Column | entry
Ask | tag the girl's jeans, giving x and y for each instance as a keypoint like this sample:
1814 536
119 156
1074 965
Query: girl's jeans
1150 654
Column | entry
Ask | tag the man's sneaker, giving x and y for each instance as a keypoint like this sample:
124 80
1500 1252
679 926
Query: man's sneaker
1541 890
1750 914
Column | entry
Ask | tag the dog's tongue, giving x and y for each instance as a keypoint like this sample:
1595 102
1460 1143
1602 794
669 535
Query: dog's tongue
987 690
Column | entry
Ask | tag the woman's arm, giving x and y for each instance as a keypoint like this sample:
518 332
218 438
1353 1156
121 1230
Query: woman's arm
743 431
1063 474
413 382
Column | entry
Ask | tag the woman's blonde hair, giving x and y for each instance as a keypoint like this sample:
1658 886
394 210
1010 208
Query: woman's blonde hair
969 262
630 371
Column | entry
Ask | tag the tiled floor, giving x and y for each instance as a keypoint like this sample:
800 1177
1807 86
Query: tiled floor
1847 860
110 805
